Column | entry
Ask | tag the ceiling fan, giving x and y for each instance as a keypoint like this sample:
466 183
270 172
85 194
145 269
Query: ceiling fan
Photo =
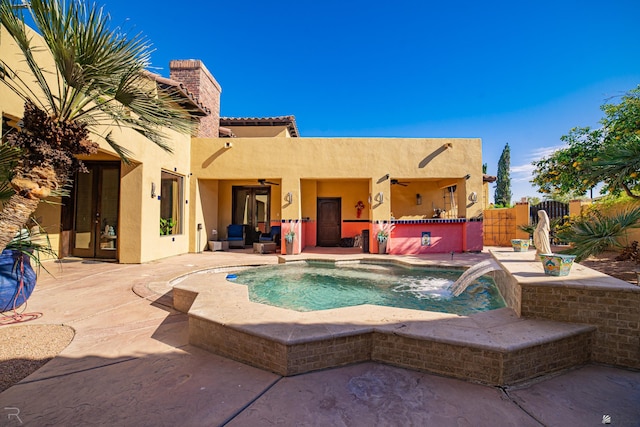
396 182
264 182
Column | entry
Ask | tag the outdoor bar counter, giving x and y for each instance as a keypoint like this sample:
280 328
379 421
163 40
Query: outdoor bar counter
423 236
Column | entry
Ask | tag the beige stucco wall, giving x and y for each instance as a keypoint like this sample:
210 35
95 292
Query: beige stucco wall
351 168
11 104
259 131
139 233
139 223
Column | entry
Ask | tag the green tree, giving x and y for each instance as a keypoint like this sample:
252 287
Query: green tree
533 200
98 80
503 183
607 155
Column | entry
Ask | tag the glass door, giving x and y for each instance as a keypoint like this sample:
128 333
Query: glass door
252 207
96 211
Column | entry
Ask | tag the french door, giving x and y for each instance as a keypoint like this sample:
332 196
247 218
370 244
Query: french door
252 207
95 227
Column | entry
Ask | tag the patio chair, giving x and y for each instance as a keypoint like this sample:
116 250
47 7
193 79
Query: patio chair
272 236
235 235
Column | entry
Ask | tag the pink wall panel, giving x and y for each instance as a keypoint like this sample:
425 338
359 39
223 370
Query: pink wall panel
310 233
351 229
474 236
445 237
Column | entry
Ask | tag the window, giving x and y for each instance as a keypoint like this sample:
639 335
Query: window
171 206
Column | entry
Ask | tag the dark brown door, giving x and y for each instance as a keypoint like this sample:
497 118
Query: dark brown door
97 193
329 221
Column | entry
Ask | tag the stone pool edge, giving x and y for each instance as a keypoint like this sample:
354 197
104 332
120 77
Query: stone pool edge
496 347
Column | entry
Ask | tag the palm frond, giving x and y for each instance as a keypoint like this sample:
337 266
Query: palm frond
13 20
99 71
13 80
33 242
9 157
120 150
597 233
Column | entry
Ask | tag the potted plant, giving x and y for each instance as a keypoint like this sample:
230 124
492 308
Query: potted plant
382 236
17 277
289 237
166 226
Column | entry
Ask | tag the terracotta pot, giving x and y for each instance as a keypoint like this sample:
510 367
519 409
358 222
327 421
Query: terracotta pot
288 247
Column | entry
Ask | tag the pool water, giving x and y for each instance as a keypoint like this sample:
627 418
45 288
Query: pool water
310 286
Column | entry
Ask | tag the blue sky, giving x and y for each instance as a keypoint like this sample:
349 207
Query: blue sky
522 73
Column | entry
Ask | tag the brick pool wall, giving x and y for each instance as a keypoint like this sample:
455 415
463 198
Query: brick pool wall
615 313
486 365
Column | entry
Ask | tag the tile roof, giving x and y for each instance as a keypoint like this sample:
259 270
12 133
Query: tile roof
489 178
224 132
288 121
192 103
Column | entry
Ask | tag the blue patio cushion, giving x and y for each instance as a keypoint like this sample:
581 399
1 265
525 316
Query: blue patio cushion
235 232
269 237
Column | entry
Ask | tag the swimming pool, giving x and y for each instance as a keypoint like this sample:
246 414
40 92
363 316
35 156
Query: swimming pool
311 286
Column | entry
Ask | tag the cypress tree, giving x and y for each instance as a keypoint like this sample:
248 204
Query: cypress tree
503 183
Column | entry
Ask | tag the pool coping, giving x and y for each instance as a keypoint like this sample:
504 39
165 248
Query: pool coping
224 320
228 303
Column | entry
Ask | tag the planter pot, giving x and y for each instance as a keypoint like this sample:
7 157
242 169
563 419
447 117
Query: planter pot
556 264
382 247
288 247
520 245
17 279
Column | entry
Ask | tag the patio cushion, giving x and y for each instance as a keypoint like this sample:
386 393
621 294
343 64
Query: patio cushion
272 235
235 235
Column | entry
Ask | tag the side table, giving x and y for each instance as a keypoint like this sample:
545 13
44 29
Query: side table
263 248
218 245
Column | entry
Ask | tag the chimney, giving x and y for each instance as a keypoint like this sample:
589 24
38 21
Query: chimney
199 81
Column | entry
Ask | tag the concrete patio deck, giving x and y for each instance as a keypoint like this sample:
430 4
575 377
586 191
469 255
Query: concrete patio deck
130 364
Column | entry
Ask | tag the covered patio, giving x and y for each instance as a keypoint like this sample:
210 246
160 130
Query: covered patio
340 191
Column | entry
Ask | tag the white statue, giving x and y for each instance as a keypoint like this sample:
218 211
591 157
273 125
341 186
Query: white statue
541 234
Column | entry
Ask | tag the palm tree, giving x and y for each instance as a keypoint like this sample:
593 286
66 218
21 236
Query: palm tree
99 80
594 233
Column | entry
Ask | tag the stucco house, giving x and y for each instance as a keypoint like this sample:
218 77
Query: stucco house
259 172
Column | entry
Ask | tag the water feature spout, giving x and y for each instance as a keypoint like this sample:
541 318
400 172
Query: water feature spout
471 274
